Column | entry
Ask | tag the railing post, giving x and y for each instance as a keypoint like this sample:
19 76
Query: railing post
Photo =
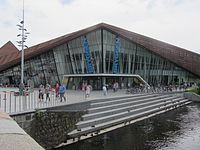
20 102
4 100
29 100
0 100
10 103
35 101
32 99
25 101
15 103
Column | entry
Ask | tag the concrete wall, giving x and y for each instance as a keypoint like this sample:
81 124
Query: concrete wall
12 137
49 128
79 106
24 120
192 96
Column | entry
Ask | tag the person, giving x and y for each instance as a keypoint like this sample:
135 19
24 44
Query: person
57 90
115 87
52 91
83 86
129 85
47 90
62 93
107 85
104 90
41 92
122 85
87 91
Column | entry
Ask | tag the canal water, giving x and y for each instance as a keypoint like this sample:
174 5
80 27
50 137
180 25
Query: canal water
174 130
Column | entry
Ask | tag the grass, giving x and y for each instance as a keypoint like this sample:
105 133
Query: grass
194 90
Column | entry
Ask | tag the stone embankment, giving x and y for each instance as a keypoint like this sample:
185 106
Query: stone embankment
49 127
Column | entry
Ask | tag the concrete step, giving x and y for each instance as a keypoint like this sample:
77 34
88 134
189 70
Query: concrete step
117 101
113 98
144 107
124 104
133 105
98 127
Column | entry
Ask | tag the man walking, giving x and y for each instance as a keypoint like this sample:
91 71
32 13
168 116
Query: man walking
48 89
62 92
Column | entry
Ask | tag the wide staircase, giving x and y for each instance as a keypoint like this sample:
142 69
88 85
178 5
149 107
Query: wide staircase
110 112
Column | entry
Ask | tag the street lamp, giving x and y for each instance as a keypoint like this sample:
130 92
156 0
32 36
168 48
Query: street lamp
21 44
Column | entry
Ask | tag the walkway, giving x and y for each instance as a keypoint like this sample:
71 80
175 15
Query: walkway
12 137
13 104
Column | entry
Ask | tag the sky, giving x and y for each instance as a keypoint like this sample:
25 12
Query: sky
172 21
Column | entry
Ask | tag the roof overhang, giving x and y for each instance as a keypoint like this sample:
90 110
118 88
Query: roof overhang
106 75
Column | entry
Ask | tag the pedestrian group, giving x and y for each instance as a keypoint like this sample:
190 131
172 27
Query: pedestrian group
59 91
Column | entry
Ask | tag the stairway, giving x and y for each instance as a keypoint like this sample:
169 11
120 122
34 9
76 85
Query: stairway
105 113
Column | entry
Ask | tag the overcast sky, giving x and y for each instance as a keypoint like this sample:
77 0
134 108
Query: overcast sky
173 21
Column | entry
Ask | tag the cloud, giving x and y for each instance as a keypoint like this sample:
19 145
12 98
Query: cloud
2 2
66 1
171 21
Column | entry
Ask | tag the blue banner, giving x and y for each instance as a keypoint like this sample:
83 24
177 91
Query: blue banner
87 55
116 55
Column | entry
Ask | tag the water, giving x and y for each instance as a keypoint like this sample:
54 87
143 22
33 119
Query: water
175 130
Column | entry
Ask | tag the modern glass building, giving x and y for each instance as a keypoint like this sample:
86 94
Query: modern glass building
101 54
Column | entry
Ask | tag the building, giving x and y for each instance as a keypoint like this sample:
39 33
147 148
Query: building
101 54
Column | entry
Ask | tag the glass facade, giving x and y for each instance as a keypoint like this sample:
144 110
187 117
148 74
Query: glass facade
103 51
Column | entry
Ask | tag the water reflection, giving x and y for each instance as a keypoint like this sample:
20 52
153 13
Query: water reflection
178 129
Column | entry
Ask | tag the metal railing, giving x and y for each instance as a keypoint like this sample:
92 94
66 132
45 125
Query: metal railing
154 89
21 101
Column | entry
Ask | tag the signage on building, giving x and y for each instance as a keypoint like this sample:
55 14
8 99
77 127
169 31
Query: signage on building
87 55
116 55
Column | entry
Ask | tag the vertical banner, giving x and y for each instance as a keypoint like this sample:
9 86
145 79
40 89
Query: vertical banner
116 55
87 55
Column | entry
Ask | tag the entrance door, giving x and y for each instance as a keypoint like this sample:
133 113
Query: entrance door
95 82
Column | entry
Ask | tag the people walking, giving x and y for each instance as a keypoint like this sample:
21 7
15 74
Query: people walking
62 93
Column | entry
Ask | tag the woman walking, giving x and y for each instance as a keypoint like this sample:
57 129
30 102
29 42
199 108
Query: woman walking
57 90
87 91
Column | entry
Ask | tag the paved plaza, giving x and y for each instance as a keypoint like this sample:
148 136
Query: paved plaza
14 104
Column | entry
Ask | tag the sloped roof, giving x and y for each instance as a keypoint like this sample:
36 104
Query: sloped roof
8 52
182 57
8 48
